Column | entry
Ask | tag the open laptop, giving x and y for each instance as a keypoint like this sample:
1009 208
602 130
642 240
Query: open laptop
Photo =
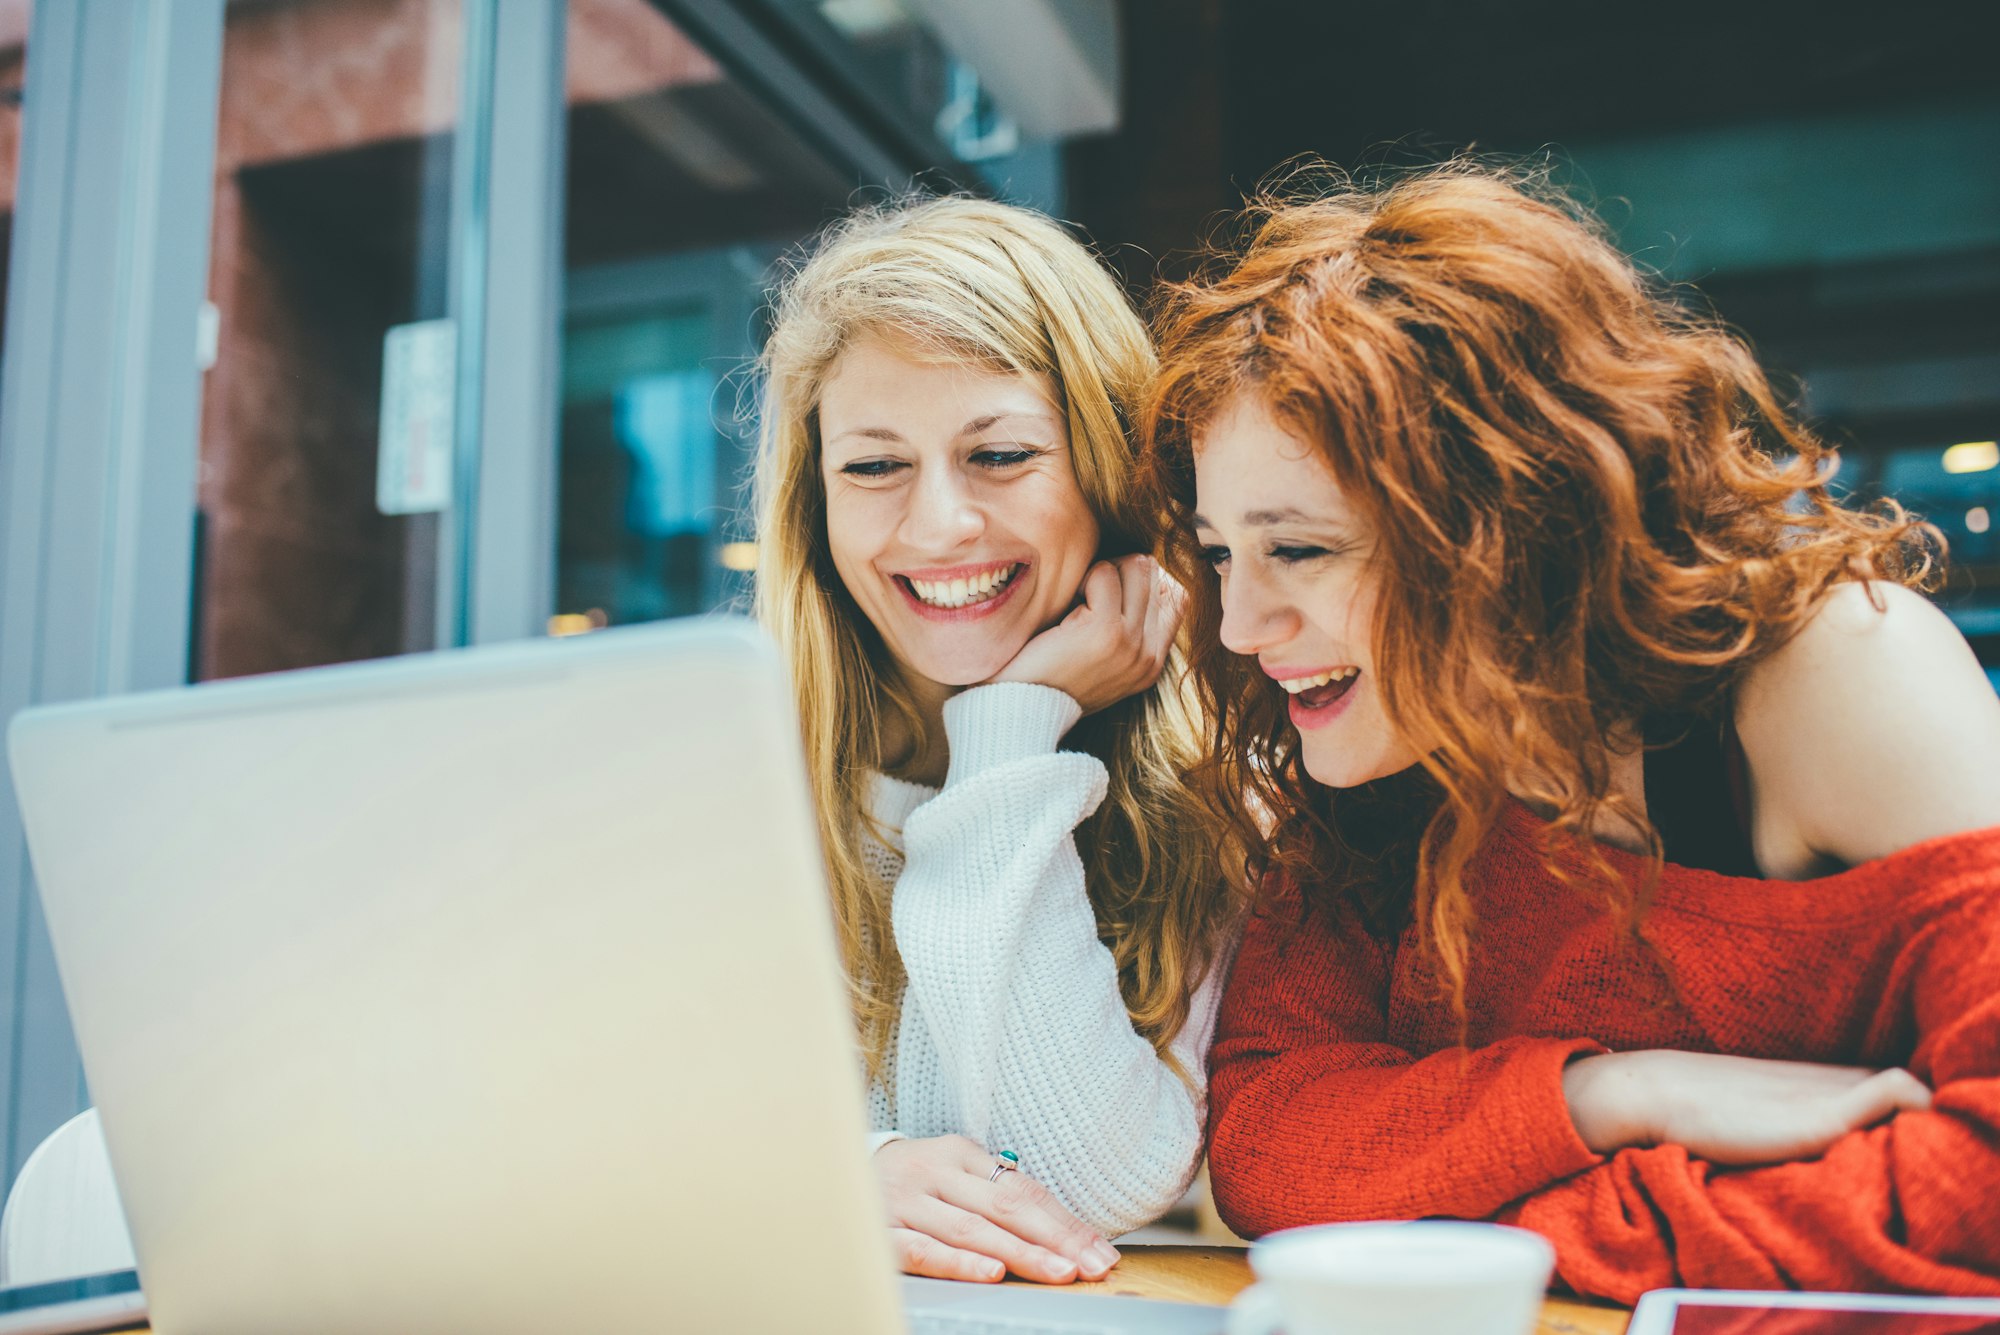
491 990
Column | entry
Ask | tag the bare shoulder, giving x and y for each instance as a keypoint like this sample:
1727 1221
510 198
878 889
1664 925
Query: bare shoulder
1872 729
1872 625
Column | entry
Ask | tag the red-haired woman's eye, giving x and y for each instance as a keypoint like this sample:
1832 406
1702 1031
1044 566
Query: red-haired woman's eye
1007 458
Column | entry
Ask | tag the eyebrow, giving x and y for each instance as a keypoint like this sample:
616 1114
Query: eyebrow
1045 416
972 428
871 432
1266 518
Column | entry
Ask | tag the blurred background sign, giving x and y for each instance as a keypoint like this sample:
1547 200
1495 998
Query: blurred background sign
414 451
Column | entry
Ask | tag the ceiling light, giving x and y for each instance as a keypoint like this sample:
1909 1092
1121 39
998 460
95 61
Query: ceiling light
1975 456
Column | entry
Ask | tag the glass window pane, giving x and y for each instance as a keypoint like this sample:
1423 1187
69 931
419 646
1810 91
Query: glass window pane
908 64
682 187
318 525
902 57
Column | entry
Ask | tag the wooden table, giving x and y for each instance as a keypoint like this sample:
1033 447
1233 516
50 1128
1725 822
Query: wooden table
1217 1274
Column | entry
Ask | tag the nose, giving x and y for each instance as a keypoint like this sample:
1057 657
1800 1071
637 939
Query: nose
1254 615
944 515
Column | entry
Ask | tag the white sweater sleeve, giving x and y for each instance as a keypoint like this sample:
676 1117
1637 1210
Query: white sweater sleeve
1014 991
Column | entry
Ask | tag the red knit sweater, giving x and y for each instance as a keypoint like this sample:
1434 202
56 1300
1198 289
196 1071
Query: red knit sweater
1338 1090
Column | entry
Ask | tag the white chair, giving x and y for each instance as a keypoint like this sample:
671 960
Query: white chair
63 1217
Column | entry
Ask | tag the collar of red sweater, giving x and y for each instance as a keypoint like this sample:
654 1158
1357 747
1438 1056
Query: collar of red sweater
1933 871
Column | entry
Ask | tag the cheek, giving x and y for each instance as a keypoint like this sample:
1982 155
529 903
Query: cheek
1357 621
853 529
1080 546
1070 528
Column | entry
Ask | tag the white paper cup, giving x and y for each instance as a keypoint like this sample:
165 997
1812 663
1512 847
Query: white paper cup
1431 1277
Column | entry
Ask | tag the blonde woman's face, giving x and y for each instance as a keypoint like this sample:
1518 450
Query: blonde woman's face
1292 556
952 508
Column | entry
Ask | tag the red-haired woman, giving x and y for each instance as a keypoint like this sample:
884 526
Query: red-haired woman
1626 820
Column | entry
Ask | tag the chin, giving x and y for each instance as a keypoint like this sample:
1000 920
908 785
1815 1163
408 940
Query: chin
962 669
1341 776
1347 769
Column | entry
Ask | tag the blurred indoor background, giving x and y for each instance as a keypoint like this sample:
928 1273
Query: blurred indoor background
345 328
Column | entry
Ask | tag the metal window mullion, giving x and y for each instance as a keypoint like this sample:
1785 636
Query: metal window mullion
156 432
99 415
27 409
513 555
471 214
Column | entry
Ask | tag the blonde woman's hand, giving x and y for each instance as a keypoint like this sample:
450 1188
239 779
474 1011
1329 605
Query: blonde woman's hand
1730 1110
949 1218
1114 643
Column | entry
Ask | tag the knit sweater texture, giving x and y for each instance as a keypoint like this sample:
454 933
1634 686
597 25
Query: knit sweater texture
1013 1031
1340 1092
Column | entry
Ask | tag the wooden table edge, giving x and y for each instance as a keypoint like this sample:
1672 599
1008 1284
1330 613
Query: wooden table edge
1209 1274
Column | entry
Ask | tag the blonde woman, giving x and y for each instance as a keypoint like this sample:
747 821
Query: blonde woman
951 555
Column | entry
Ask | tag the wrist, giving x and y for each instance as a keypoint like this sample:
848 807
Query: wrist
1610 1100
1000 722
1039 677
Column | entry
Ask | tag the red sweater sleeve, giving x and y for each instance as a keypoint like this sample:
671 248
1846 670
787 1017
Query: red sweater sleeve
1314 1117
1913 1204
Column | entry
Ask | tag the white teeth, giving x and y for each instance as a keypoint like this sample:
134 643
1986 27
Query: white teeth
949 593
1294 685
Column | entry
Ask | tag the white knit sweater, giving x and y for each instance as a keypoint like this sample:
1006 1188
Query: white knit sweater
1012 1029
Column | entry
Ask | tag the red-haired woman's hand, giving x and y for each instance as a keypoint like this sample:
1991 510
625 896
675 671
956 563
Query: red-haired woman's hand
1730 1110
951 1217
1114 643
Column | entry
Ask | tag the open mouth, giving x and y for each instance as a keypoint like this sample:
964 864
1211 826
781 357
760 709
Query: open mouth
949 595
1320 691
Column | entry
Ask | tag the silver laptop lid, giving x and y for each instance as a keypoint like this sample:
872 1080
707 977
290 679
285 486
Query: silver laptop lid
490 990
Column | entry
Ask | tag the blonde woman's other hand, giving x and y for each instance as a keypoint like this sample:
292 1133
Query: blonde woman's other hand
1730 1110
950 1218
1114 643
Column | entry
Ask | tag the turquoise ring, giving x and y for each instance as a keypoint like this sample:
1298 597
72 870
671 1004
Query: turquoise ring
1006 1161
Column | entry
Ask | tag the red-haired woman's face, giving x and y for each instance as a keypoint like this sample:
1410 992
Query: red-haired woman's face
1292 557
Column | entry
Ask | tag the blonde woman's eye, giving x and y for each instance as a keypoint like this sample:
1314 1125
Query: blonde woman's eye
866 468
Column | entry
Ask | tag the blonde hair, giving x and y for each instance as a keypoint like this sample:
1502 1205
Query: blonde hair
976 282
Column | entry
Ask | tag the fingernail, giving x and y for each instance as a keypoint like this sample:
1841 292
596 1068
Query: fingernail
1104 1252
991 1270
1060 1268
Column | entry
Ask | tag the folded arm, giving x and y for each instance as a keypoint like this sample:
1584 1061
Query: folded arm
1315 1118
1912 1204
1013 988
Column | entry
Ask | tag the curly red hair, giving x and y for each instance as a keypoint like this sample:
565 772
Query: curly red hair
1590 510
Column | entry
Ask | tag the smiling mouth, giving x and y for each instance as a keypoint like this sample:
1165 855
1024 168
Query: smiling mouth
950 594
1321 689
